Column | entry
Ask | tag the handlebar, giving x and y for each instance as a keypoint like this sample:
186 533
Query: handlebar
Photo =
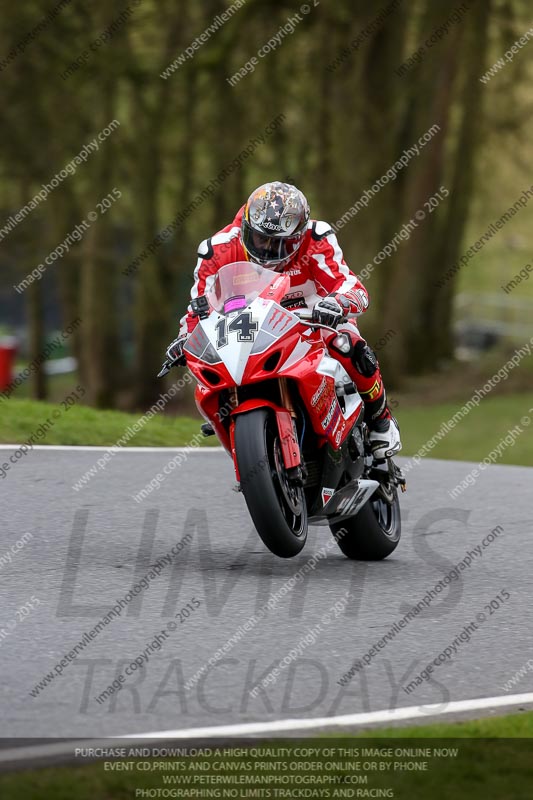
303 313
307 314
342 340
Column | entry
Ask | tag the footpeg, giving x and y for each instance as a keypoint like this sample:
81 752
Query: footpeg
387 474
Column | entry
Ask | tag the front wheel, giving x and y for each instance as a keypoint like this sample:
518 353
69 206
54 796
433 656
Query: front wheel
373 533
277 507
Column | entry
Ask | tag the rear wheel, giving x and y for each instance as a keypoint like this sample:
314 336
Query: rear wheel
277 507
373 533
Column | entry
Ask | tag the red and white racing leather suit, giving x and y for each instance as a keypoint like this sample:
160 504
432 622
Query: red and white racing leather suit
318 269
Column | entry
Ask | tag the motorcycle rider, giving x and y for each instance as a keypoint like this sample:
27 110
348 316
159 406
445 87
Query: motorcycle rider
274 229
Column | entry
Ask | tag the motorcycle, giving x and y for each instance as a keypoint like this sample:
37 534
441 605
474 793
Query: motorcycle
290 418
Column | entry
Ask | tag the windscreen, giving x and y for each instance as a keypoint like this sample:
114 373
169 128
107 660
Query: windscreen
237 285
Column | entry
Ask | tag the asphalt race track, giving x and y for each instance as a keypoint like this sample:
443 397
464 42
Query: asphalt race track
88 548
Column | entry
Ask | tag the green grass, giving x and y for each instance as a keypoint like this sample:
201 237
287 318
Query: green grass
81 425
518 726
476 434
493 763
473 438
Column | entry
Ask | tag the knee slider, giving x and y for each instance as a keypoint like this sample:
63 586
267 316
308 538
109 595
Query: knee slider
364 359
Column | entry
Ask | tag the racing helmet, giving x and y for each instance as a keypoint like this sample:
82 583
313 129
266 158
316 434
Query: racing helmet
274 224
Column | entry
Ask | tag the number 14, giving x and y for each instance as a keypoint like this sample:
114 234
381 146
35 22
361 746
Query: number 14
242 325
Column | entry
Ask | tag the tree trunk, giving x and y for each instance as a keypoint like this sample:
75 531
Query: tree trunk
36 339
405 298
439 323
100 345
153 292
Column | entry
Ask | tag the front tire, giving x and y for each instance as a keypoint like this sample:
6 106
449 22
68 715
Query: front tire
373 533
277 507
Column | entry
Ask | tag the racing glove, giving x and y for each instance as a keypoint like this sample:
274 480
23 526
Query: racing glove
175 354
331 310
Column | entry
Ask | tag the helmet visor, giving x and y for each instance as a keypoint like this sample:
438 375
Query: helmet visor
269 250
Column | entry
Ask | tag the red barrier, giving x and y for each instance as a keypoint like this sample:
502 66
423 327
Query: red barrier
8 351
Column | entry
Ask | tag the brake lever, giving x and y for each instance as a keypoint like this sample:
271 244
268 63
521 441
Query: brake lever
165 369
317 325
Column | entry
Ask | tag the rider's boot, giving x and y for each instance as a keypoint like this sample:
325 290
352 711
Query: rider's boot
384 436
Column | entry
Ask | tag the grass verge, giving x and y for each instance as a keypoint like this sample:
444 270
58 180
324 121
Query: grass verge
473 438
81 425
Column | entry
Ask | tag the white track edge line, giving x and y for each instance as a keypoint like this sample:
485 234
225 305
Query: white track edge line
242 729
102 449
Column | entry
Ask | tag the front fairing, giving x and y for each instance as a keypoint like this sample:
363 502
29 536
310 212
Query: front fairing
249 337
235 341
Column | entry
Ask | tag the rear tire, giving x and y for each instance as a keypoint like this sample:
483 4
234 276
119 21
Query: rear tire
373 533
278 509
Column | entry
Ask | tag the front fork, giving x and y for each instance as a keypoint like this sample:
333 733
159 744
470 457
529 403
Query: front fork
295 474
290 449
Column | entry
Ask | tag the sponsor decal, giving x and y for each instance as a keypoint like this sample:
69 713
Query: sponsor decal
290 304
196 341
272 226
319 392
246 278
325 401
334 421
329 416
294 300
293 295
277 317
373 392
327 494
338 435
